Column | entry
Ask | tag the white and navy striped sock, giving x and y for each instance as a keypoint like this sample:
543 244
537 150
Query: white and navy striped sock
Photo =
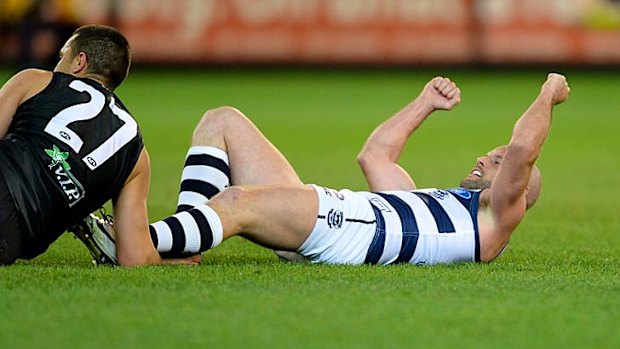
192 231
195 227
206 173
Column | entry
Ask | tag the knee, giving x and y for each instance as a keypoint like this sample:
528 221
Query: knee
215 122
236 204
220 114
234 197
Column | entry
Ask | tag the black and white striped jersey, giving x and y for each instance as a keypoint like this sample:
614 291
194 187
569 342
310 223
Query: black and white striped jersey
68 150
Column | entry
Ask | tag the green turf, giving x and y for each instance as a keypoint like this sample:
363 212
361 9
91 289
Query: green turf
556 286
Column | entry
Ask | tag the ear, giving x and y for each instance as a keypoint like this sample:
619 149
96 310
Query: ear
79 64
526 193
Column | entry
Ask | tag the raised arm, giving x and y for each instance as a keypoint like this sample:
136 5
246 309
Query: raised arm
379 156
133 241
509 196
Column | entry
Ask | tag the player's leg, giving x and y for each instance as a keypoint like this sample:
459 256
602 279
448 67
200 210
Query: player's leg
206 172
227 148
277 217
253 158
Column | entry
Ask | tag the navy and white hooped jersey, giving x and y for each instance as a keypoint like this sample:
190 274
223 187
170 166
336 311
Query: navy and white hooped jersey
428 226
424 226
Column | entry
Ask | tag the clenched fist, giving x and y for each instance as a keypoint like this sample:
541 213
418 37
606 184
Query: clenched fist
441 93
557 86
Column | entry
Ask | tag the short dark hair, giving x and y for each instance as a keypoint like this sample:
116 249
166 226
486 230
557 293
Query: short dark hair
107 51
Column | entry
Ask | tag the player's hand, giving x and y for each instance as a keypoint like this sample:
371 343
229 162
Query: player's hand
191 260
441 93
557 86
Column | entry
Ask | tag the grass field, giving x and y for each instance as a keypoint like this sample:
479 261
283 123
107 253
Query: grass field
557 285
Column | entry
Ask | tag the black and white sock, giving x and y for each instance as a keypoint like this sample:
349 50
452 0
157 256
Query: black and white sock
206 173
193 231
195 227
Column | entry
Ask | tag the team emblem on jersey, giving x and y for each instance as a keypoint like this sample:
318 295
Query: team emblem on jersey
335 219
71 187
462 192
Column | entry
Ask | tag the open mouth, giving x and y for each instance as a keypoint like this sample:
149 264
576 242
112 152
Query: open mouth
477 172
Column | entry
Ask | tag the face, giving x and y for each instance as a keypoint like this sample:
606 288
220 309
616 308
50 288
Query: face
67 58
481 176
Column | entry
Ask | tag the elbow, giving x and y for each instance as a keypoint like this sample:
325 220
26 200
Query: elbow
362 158
525 152
366 159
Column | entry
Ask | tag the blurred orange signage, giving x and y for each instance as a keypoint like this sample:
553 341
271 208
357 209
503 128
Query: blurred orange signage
367 31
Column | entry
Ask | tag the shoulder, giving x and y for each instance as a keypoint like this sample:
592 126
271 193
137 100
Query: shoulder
29 82
29 76
35 73
20 88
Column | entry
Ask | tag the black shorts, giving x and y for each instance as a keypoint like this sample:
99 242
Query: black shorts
10 229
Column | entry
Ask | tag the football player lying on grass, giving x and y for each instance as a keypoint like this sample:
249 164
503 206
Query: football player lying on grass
394 222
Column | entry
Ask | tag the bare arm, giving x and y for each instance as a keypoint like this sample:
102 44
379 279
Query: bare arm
133 241
18 89
379 156
510 187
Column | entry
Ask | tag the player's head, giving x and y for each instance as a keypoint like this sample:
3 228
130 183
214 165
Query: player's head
96 50
487 166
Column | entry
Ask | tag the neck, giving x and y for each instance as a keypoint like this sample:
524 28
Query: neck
96 77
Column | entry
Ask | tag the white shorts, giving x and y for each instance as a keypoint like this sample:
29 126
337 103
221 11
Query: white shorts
346 227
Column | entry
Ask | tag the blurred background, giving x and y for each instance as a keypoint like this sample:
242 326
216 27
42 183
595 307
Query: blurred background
326 32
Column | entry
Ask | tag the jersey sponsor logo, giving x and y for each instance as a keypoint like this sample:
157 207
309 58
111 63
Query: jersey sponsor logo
335 219
91 161
462 192
71 187
65 135
439 194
